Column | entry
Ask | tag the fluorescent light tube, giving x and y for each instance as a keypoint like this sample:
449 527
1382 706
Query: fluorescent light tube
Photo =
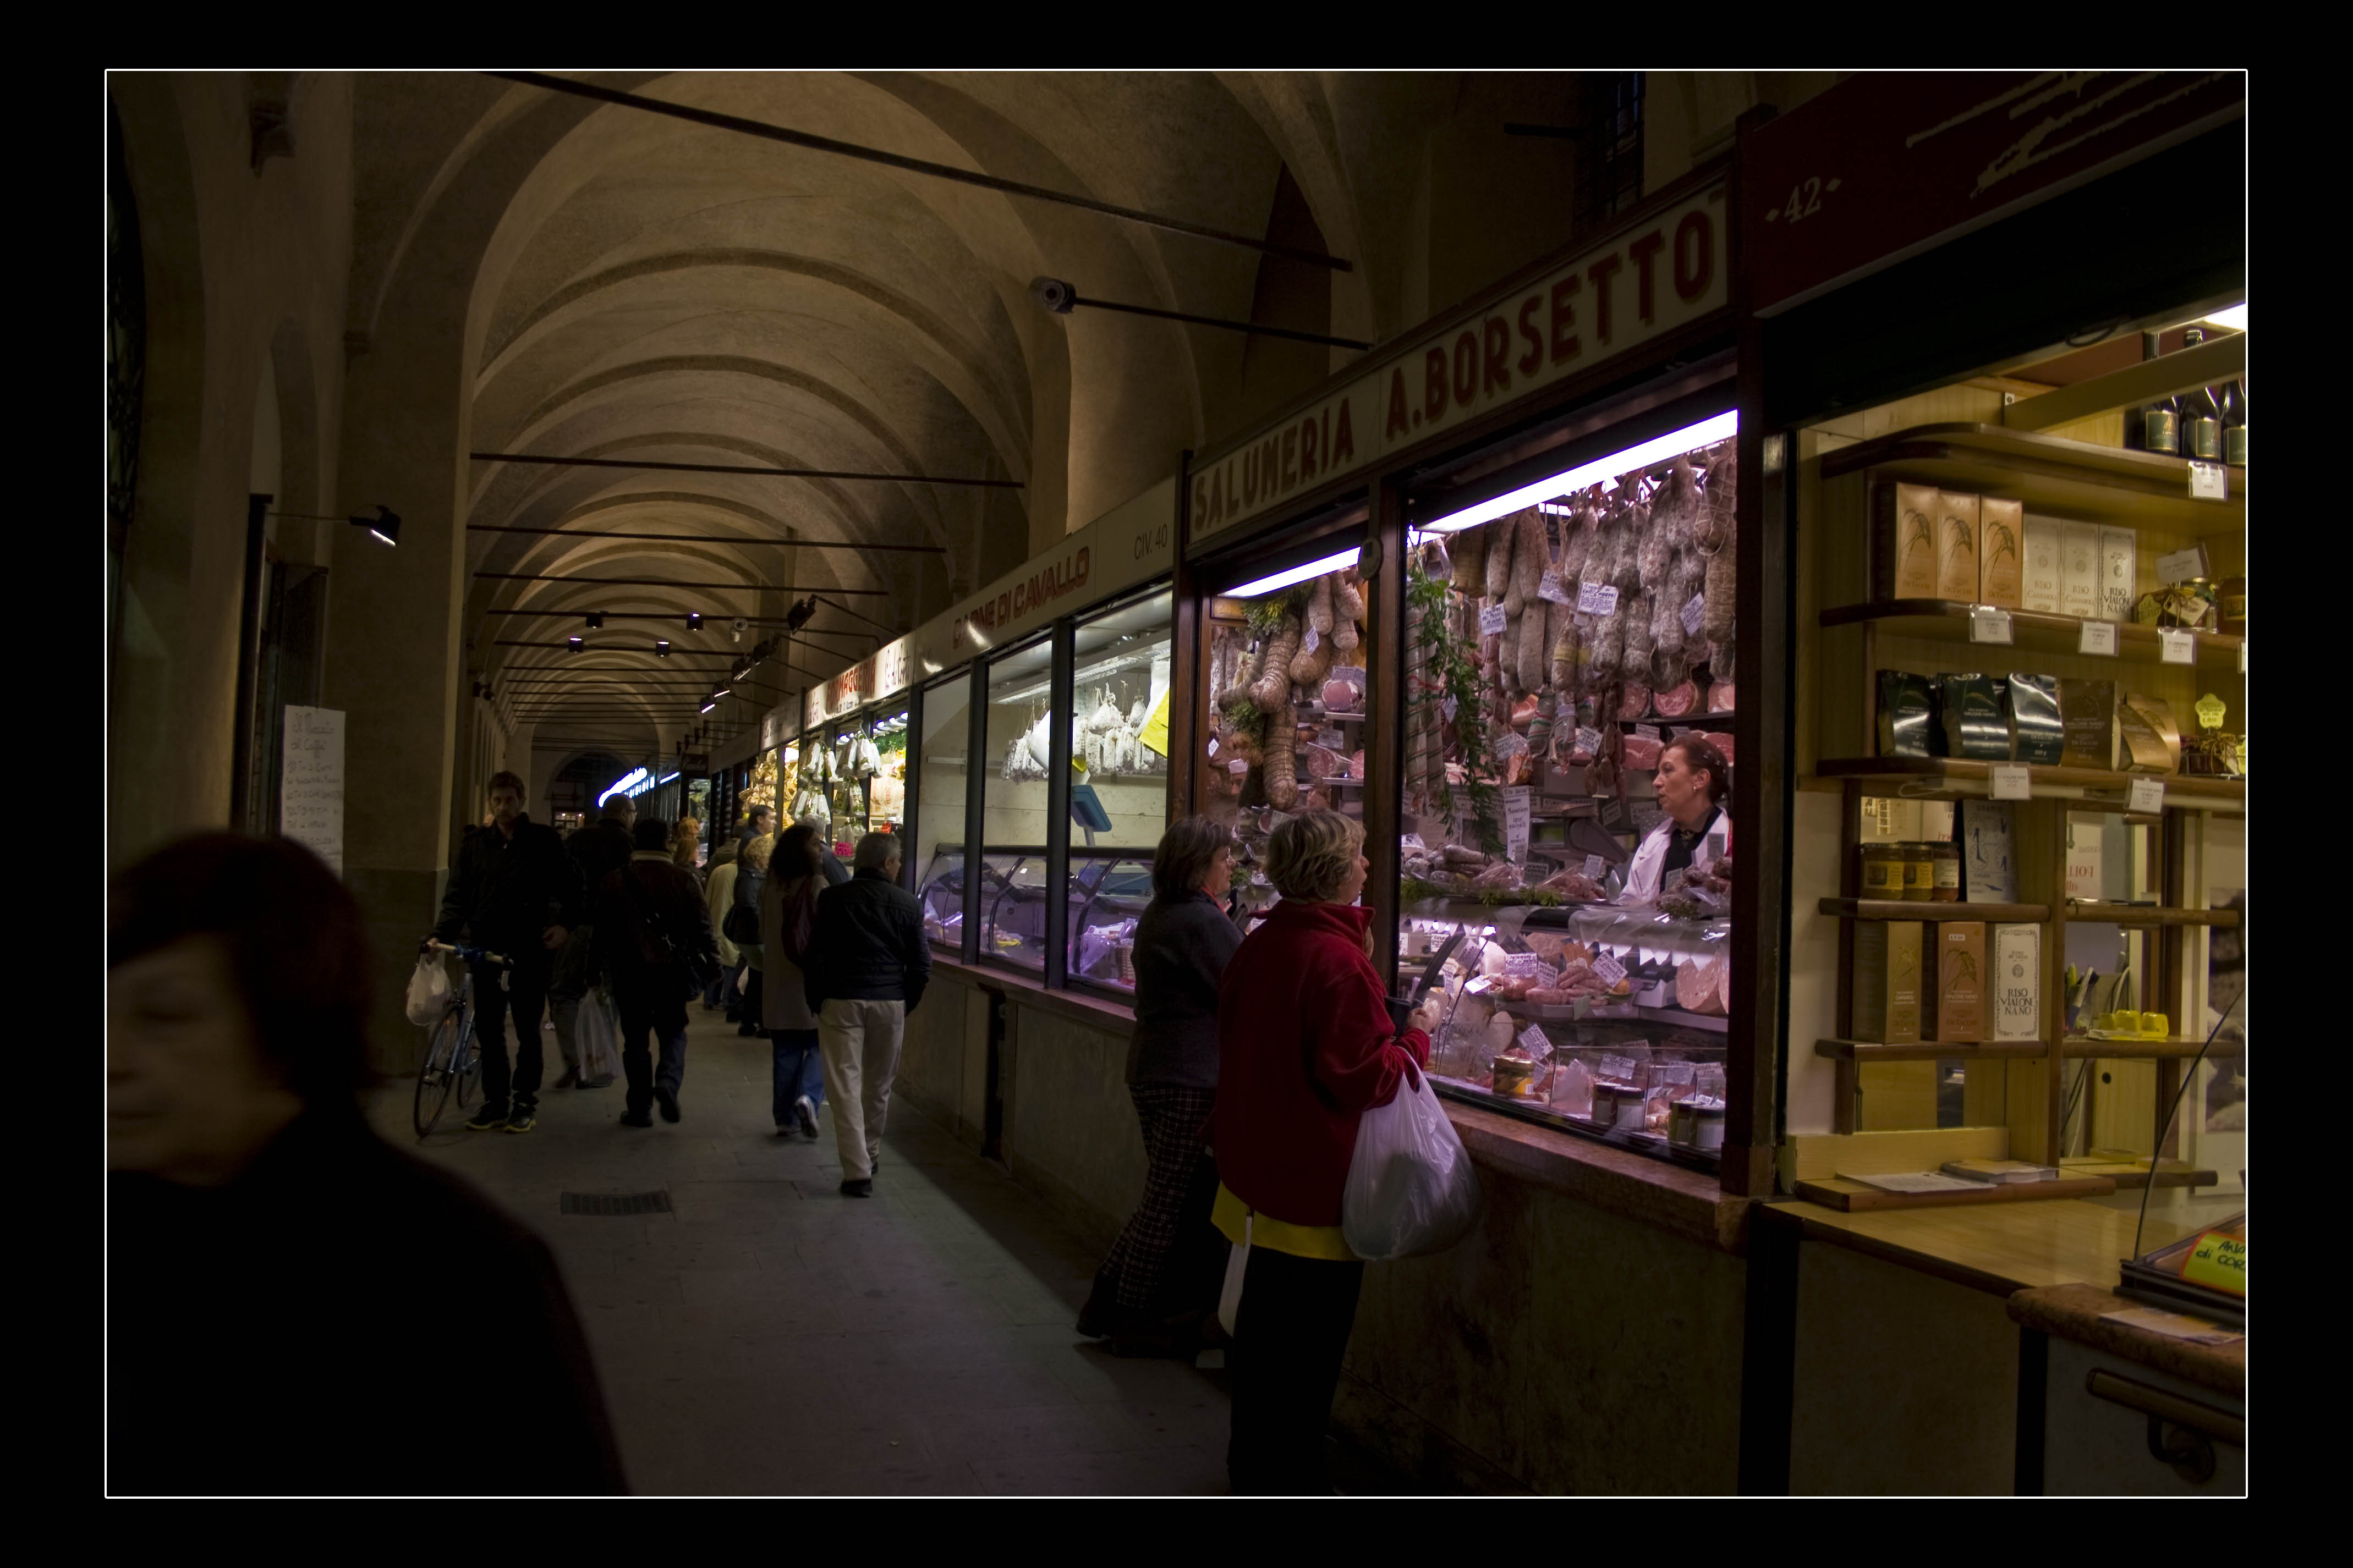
2235 318
1297 574
1645 455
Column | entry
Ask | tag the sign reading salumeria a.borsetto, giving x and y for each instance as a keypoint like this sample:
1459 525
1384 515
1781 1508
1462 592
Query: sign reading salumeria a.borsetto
1648 279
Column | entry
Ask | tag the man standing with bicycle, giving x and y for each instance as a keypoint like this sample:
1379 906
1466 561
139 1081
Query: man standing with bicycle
516 893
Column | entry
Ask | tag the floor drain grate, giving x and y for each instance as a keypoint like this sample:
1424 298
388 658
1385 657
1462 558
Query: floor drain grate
617 1203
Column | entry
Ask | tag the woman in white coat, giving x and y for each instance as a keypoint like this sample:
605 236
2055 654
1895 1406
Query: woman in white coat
1695 784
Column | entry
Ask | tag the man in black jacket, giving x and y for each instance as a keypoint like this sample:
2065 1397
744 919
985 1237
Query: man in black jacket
597 850
653 932
866 968
518 893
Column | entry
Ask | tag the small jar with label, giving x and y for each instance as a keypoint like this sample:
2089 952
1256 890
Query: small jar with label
1708 1126
2232 607
1919 875
1883 872
1945 868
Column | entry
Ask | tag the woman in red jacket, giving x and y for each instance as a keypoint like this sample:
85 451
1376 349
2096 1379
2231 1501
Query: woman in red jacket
1305 1048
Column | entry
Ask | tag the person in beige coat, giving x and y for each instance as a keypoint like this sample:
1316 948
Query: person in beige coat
718 894
787 916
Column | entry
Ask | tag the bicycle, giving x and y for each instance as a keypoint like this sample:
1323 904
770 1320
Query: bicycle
453 1062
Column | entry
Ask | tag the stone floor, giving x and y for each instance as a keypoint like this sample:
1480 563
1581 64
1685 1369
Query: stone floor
773 1337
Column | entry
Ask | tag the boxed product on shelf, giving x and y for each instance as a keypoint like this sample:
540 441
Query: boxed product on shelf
2017 990
2150 736
2036 734
2001 552
2039 586
1975 723
1952 998
2079 570
2119 577
1904 555
2087 718
1886 990
1988 870
1956 545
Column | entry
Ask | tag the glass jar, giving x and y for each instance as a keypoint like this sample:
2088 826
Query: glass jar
1919 873
1945 866
2232 608
1883 872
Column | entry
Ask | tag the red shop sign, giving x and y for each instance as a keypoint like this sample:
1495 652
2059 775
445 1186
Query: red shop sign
1887 164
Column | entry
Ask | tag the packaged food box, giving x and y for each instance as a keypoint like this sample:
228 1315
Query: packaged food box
1905 711
1976 724
2087 721
2079 570
2001 552
1952 1006
2119 577
1887 980
1904 541
2017 989
2039 585
2036 734
2151 739
1956 545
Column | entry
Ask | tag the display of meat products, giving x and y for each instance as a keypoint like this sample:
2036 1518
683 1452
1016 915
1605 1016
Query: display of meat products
1523 712
1468 554
1272 688
1716 622
1716 496
1635 663
1722 743
1319 607
1719 697
1674 701
1626 573
1461 856
1575 542
1500 536
1322 763
1308 667
1501 874
1656 555
1642 754
1609 647
1527 559
1633 700
1536 642
1341 696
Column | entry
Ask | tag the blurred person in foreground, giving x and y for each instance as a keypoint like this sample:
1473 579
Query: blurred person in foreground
252 1213
865 970
1305 1048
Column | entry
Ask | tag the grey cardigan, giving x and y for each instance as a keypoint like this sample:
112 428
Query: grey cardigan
1182 947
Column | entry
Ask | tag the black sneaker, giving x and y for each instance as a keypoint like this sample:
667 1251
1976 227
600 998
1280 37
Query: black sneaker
523 1121
668 1099
636 1118
861 1189
487 1120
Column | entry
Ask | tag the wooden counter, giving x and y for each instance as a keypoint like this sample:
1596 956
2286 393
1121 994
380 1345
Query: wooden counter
2077 1312
2002 1249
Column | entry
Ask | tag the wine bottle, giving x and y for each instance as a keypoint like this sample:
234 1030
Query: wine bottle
2152 426
2201 427
2234 423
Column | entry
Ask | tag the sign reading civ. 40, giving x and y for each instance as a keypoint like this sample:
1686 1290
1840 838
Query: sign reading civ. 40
1652 277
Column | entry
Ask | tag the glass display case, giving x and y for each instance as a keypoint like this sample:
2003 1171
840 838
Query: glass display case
886 784
1120 685
941 769
1108 892
1013 890
940 889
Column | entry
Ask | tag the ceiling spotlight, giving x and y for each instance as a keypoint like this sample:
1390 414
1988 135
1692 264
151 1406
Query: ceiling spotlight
385 524
576 643
596 618
694 620
662 647
797 617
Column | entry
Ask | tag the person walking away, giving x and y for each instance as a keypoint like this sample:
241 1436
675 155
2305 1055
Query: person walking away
788 924
598 848
246 1198
1305 1048
718 897
865 971
653 937
720 992
751 876
518 894
1183 943
757 821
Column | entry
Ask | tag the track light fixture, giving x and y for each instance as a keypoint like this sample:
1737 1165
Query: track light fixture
384 525
797 617
576 643
662 647
596 618
694 620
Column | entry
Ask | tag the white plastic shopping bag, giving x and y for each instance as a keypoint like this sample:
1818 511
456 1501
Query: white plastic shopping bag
429 991
596 1036
1229 1300
1411 1187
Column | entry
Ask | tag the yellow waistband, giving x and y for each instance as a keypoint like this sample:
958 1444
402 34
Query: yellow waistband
1235 1220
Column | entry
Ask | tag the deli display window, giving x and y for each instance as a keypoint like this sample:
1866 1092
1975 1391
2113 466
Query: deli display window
1564 930
1119 795
886 784
942 772
1015 802
1013 893
940 889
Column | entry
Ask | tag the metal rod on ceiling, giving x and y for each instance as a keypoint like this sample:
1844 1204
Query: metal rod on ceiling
914 165
665 615
709 538
846 610
663 583
1232 326
739 468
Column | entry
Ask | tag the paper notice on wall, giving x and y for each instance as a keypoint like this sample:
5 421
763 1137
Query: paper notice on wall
310 791
1516 806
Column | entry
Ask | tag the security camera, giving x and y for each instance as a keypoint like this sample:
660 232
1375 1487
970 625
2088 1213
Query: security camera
739 625
1054 294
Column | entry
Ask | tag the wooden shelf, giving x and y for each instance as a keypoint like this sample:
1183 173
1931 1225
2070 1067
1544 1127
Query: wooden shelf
2051 475
2080 1048
2132 1174
2148 915
2031 631
1952 778
1858 1197
1933 910
1928 1051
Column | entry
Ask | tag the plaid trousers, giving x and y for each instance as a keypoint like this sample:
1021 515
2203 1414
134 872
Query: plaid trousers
1173 1119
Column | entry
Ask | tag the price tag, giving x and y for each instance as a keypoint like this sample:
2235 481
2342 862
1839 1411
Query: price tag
1692 612
1491 621
1609 969
1532 1040
1238 767
2176 646
1511 746
1310 643
1213 745
2097 636
1549 588
1515 822
1330 740
1596 599
1647 732
1589 739
1526 966
2218 1260
2012 781
1447 706
2207 483
1618 1070
2181 565
2147 797
1593 866
1989 624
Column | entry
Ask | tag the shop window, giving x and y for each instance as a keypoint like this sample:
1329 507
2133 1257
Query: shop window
1015 804
885 755
1119 801
1562 865
942 772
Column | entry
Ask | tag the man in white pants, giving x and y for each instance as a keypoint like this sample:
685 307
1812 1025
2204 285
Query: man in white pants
865 970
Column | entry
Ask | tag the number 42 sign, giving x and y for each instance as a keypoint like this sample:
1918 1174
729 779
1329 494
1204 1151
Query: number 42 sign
1805 200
